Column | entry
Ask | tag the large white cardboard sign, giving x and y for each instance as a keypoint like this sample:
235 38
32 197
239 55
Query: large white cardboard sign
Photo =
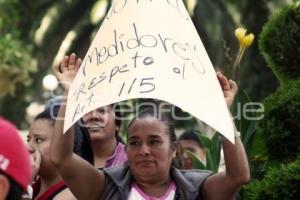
149 49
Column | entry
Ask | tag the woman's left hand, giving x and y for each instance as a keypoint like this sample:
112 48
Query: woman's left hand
229 88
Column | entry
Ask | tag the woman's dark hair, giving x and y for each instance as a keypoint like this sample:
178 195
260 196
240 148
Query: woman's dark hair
191 135
15 190
45 114
51 110
150 112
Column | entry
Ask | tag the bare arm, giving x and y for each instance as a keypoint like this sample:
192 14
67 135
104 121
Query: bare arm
225 185
85 181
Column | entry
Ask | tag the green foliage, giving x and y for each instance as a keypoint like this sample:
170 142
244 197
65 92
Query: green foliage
16 63
197 163
279 184
280 43
280 126
9 15
213 153
246 123
15 66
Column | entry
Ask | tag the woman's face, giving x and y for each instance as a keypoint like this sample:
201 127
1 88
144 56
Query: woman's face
100 123
39 139
149 150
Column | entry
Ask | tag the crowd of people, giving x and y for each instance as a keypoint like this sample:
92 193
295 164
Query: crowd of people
91 161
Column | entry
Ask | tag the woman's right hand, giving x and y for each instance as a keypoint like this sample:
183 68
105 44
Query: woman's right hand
66 70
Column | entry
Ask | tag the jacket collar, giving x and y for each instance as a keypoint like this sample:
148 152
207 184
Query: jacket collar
188 182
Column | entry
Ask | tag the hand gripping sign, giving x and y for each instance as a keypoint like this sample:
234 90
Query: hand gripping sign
149 49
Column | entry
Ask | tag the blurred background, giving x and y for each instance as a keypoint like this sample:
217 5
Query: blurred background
36 34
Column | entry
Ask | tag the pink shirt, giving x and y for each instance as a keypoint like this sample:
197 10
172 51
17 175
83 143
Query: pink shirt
137 194
118 158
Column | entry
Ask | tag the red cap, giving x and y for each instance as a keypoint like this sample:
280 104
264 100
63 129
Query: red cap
14 155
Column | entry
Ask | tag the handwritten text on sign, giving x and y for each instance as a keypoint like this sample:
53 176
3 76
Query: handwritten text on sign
149 49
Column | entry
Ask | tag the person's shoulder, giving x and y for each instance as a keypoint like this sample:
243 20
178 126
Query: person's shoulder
117 173
115 169
119 176
192 175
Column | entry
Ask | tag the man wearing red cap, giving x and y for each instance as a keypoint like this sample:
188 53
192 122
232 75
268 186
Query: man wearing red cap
15 167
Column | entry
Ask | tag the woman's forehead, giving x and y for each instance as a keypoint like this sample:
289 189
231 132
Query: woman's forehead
147 125
40 123
146 121
152 136
40 126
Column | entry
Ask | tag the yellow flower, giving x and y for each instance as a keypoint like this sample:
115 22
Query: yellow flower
240 33
247 40
244 40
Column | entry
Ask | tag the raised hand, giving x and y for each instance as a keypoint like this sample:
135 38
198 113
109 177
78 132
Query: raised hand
66 70
229 88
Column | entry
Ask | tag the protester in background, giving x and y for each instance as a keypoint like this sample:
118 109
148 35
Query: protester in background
150 151
15 170
190 141
47 182
100 126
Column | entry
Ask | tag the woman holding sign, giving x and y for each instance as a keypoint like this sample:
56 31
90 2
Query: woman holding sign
150 150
